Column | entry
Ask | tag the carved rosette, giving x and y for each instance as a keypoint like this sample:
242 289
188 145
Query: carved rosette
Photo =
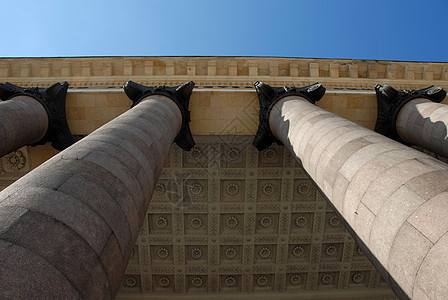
15 161
179 94
268 96
390 101
53 100
284 239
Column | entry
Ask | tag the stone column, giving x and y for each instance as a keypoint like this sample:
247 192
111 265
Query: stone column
392 198
23 121
68 228
32 116
414 117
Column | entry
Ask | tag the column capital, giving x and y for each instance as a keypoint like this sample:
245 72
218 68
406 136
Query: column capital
268 96
53 100
390 101
179 94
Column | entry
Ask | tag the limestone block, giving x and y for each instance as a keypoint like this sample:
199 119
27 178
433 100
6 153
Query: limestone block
127 68
253 68
391 72
444 73
428 73
45 70
273 68
191 68
25 70
211 68
169 68
34 270
66 69
409 72
314 69
86 69
107 69
429 219
334 70
233 68
4 70
372 71
429 282
293 69
149 68
353 70
405 258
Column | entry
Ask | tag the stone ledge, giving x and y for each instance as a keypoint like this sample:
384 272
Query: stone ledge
93 69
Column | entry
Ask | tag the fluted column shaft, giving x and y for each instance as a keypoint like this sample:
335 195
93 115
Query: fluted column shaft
424 123
23 120
393 198
68 228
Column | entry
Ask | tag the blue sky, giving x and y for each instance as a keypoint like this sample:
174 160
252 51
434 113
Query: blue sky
414 30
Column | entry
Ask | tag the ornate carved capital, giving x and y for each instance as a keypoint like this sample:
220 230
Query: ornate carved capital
268 97
179 94
390 102
53 100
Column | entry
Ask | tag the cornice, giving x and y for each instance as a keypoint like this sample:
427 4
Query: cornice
230 72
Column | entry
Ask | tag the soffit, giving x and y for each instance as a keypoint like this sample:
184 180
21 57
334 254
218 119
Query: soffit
226 219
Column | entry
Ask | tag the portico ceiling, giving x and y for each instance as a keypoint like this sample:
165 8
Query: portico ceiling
226 219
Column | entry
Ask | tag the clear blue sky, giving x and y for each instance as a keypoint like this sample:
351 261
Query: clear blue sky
415 30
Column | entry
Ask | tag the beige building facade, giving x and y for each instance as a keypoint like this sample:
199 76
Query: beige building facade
224 218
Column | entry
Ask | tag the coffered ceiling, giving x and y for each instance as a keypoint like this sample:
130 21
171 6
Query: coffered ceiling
226 219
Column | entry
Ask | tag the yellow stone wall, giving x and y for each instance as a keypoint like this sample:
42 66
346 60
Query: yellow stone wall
224 100
90 110
111 71
212 113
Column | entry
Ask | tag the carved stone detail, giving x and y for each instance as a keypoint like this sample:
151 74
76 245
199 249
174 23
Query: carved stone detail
179 94
15 162
390 101
268 97
53 100
220 243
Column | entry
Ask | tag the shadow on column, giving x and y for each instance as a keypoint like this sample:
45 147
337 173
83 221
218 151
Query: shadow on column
26 120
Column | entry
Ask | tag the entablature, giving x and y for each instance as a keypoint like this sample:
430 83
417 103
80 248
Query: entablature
236 72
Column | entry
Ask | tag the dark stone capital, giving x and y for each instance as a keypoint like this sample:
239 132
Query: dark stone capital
53 100
391 101
268 96
179 94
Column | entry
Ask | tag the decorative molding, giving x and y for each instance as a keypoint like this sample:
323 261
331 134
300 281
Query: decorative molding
268 96
390 102
231 245
239 72
179 94
53 100
16 161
